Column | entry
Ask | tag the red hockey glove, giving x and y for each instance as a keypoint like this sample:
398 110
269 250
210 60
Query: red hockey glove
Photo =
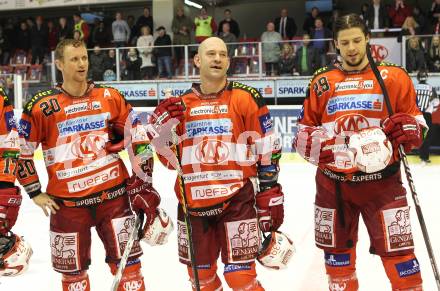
310 143
402 128
10 201
270 208
116 143
167 109
143 197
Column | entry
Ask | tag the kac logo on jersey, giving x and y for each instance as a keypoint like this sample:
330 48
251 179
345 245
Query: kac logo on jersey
265 122
82 124
369 102
209 127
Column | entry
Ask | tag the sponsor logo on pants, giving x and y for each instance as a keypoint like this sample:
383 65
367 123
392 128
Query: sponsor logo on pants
408 268
324 226
134 285
243 240
64 249
182 240
397 227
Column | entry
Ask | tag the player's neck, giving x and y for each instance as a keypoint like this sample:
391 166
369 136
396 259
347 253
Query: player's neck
75 88
359 67
211 87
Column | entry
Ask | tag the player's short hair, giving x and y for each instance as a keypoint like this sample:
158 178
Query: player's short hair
61 46
348 21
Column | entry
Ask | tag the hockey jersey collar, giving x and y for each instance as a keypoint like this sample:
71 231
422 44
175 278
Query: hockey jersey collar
197 90
338 66
90 86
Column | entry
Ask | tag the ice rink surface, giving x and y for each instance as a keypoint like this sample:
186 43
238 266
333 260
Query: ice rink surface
163 272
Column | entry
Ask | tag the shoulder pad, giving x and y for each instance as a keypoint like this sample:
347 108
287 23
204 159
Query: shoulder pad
37 97
189 91
5 97
102 86
388 64
322 71
259 100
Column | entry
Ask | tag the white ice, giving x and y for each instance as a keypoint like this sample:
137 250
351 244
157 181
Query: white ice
163 272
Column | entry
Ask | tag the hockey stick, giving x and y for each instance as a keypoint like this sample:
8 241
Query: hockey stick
127 250
185 205
407 171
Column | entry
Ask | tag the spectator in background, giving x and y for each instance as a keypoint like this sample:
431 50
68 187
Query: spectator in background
39 37
181 27
364 11
271 40
409 27
81 26
287 60
110 64
420 18
101 36
30 23
97 64
335 14
205 26
434 13
63 31
228 37
134 32
5 48
10 33
415 57
120 30
133 63
399 13
234 27
145 44
322 46
77 35
307 59
309 23
23 40
145 20
285 25
377 16
436 27
163 54
434 54
52 35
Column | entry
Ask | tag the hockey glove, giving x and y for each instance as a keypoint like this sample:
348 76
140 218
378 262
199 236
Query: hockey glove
116 143
310 143
143 197
170 108
270 208
403 129
10 201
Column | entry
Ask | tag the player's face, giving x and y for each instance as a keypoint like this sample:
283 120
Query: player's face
75 64
212 59
352 44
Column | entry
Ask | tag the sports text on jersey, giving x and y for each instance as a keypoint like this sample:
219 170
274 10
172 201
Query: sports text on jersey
82 124
371 102
81 107
209 127
208 110
354 85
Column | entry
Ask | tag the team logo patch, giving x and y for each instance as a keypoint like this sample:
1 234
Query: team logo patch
265 122
132 285
324 226
209 110
243 240
370 102
77 286
212 152
408 268
65 251
350 123
337 260
397 226
209 127
10 120
182 241
122 228
24 128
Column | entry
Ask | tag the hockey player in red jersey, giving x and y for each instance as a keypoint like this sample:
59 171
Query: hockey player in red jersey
15 252
226 142
81 127
345 129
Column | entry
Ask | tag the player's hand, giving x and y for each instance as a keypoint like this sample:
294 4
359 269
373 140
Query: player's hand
168 109
270 208
403 129
10 201
143 197
310 143
46 203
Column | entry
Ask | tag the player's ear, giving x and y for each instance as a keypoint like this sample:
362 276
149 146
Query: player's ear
59 64
197 60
